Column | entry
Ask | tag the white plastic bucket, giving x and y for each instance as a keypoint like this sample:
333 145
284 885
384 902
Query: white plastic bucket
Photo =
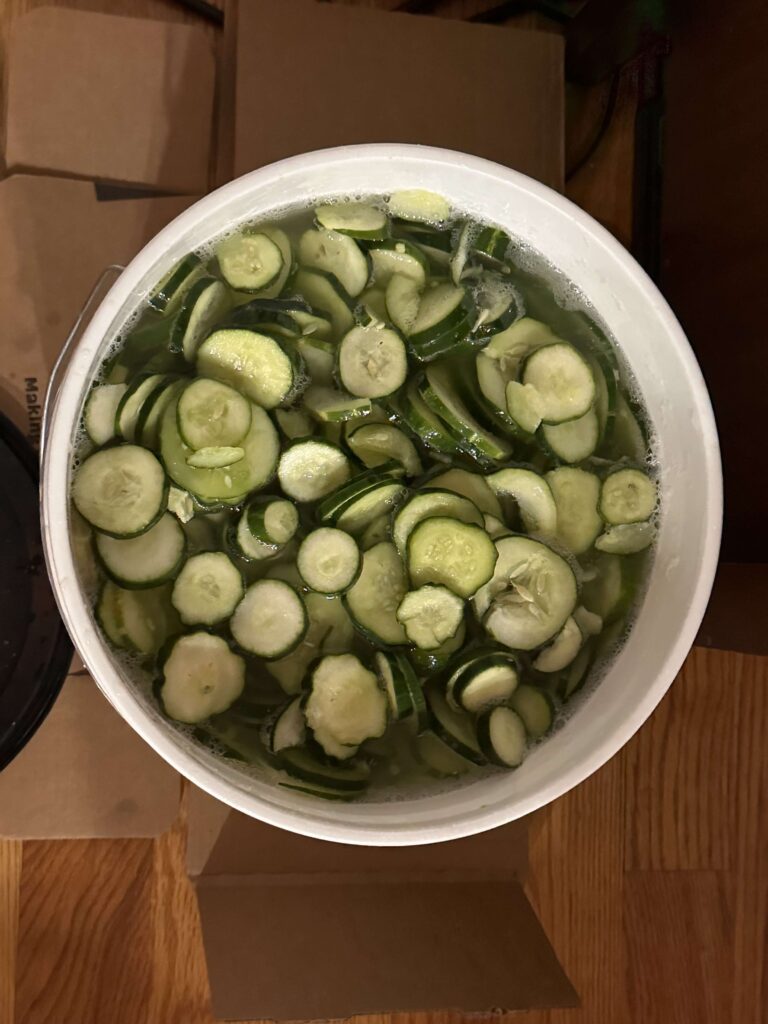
691 488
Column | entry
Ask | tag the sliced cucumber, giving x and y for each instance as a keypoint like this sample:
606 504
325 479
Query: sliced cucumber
627 496
562 650
288 728
137 620
502 736
439 758
588 622
203 306
497 301
628 437
460 556
346 701
535 708
181 504
441 396
372 362
430 615
271 520
207 589
422 422
575 440
563 379
470 485
418 205
373 600
167 295
358 220
345 497
379 501
328 560
310 469
461 251
429 663
330 631
481 681
294 423
576 493
254 364
133 401
525 406
215 457
429 503
100 413
331 406
241 542
494 527
445 318
147 428
319 355
454 728
626 539
210 414
148 560
376 531
336 254
491 245
402 299
377 443
201 677
399 683
324 779
577 673
120 491
271 620
327 294
532 496
249 261
397 256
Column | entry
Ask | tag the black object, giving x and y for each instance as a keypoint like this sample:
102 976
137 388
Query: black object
35 651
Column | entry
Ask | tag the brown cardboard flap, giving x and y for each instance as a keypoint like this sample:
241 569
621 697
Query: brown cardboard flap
333 950
119 99
495 92
86 774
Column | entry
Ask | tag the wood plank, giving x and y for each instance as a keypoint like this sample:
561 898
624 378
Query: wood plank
10 877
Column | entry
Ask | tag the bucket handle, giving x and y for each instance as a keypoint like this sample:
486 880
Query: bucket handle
99 291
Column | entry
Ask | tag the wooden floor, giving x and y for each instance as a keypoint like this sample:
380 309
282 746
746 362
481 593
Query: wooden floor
651 878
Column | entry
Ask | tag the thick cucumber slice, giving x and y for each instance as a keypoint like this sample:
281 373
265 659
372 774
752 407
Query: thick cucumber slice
454 728
535 708
121 490
377 443
415 204
532 496
422 422
254 364
346 701
271 620
331 406
249 261
626 539
576 493
204 305
502 736
132 403
207 590
328 560
210 414
470 485
524 405
372 362
373 600
441 396
201 677
575 440
336 254
310 469
294 423
562 650
402 299
481 681
379 501
219 457
324 292
627 496
563 379
358 220
439 758
456 555
100 414
344 780
430 615
167 296
445 319
530 596
397 256
429 503
272 520
261 446
288 728
148 560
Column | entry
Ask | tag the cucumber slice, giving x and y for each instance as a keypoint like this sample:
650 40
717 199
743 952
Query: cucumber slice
575 440
215 457
310 469
481 681
379 501
319 357
294 423
148 560
210 414
588 622
427 503
444 320
345 781
441 396
562 650
377 443
203 306
398 681
147 428
345 700
577 673
207 589
324 292
626 539
120 491
331 746
373 600
288 728
497 301
249 261
397 256
576 493
261 446
416 204
358 220
372 362
253 364
132 403
627 496
201 677
181 504
100 413
457 555
331 508
461 252
502 736
430 615
438 758
563 379
494 527
428 663
530 595
270 620
491 245
402 299
330 631
331 406
141 619
272 521
532 496
454 728
167 295
628 438
472 486
241 542
535 708
375 533
525 406
373 307
422 422
336 254
107 615
328 560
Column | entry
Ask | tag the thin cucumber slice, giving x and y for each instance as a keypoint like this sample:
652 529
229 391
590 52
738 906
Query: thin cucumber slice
439 758
502 736
430 615
132 402
418 205
331 406
270 621
207 590
507 350
535 708
461 252
454 728
372 362
242 542
429 663
427 503
345 780
402 299
272 520
288 728
627 496
152 412
100 413
563 379
332 747
626 539
530 596
324 292
575 440
628 438
295 423
482 681
203 306
472 486
397 680
457 555
376 531
331 508
531 494
319 357
422 422
120 491
216 457
588 622
397 256
576 493
346 700
377 443
562 650
148 560
358 220
253 364
379 501
441 396
167 295
524 405
201 677
249 261
145 618
373 307
310 469
210 414
497 301
577 673
335 254
330 631
261 446
328 560
373 600
494 527
491 245
107 615
444 320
